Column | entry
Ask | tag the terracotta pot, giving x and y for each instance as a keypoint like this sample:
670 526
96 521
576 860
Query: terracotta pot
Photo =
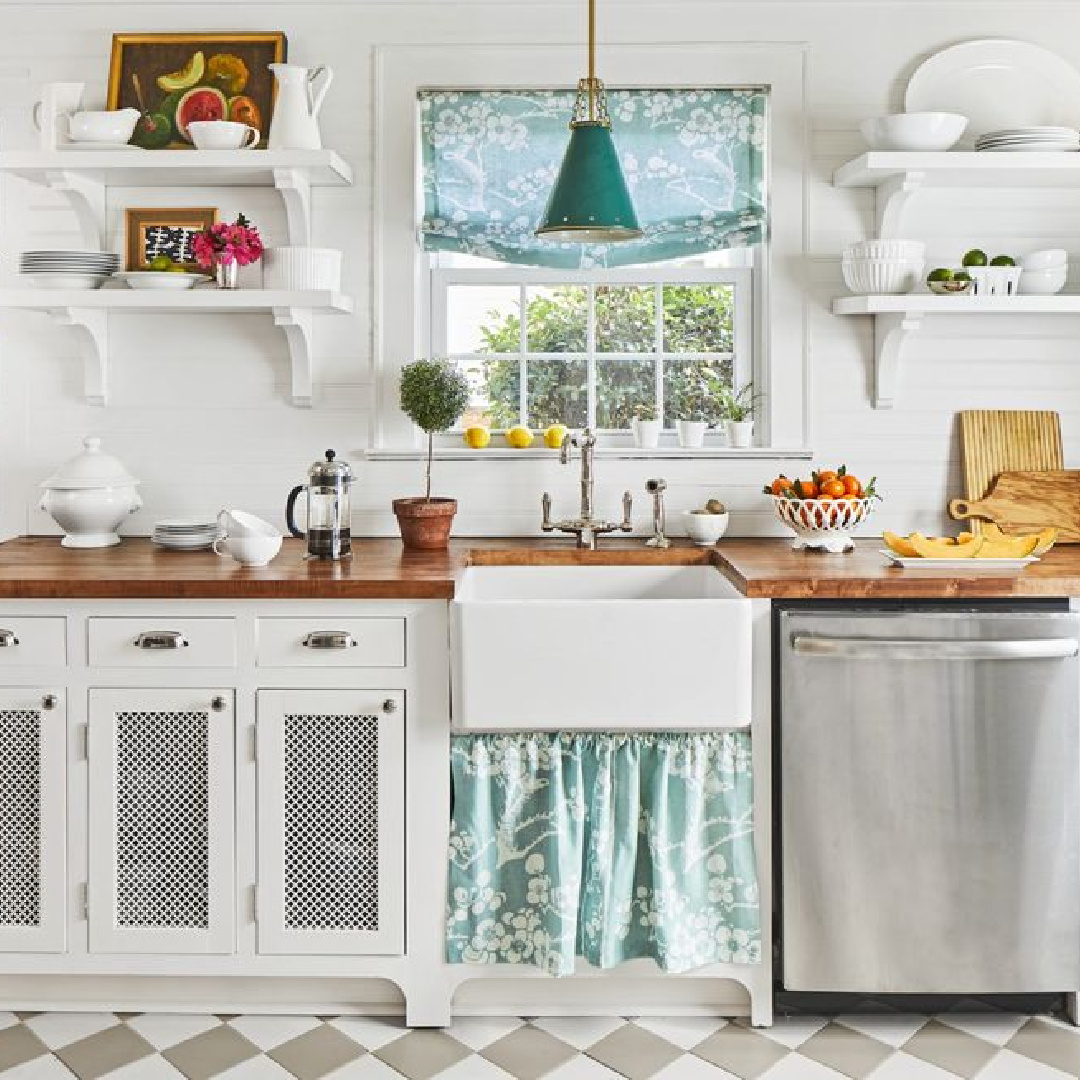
425 524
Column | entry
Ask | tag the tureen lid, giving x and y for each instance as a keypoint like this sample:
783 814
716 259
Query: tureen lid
93 468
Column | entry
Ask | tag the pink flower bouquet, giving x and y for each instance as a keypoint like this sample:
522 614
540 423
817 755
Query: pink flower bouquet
224 244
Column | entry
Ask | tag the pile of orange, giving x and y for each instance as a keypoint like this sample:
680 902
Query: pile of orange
826 484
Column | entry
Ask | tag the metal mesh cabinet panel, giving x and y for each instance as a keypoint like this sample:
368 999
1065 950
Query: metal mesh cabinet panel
20 817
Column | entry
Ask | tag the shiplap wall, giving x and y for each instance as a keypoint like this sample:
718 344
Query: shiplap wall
197 407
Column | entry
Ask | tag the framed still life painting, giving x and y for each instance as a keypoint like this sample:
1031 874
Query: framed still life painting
169 232
173 79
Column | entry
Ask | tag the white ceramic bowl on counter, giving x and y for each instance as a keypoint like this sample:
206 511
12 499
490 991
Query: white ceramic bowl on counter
705 529
915 131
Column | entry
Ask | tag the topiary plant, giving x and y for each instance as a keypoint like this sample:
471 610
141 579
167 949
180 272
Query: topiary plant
434 394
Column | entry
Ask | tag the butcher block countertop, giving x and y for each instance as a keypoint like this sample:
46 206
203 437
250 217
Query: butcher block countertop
39 568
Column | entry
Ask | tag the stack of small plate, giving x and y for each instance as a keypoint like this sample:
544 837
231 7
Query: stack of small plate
68 269
1030 139
185 535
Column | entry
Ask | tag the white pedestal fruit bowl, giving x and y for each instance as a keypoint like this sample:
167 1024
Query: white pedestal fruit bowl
823 524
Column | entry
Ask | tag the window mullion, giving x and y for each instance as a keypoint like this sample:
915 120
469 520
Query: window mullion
658 297
523 363
590 357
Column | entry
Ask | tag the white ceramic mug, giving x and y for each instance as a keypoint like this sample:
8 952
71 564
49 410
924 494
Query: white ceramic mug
58 101
248 550
109 126
223 135
240 523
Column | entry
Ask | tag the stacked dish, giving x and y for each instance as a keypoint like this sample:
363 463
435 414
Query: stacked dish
880 267
68 269
1044 272
1030 140
186 534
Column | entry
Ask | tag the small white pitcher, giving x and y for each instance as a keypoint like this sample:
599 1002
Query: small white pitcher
295 121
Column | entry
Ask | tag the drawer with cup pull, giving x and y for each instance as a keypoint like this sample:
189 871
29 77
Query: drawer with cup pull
331 642
33 641
164 642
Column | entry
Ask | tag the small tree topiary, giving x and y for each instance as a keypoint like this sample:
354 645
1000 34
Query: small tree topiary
434 394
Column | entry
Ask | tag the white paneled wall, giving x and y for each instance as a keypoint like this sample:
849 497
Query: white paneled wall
197 407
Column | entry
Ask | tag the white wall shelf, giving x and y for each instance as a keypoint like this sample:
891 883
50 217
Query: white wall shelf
896 318
86 312
83 176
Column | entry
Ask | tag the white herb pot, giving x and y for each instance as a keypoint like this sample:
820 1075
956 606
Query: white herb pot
691 433
646 433
740 433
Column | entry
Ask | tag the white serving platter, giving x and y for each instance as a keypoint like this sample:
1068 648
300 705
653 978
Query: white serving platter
977 566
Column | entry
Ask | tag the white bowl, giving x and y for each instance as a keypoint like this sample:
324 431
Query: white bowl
300 268
881 276
249 550
55 280
103 125
162 279
705 529
885 249
915 131
1042 282
1048 259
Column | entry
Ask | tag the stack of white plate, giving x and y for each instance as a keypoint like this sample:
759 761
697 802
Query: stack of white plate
185 534
68 269
1030 140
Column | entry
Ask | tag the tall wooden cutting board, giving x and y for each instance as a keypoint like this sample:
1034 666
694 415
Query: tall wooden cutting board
1024 502
994 441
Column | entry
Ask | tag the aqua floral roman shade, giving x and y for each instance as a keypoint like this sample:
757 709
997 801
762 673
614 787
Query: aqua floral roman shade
606 846
694 160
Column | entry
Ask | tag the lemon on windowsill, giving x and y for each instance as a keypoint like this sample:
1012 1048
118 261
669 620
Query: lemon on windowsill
477 437
520 438
554 436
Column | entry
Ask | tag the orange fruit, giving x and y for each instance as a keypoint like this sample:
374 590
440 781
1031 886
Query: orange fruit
826 475
834 489
806 489
852 486
780 485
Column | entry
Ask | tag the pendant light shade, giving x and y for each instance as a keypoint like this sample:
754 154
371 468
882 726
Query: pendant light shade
590 202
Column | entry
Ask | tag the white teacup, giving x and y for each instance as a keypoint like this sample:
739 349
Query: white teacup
223 135
241 523
248 550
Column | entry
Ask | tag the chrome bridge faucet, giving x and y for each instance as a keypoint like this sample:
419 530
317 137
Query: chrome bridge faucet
585 527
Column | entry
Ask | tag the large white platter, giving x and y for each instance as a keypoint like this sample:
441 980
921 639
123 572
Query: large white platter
996 84
975 566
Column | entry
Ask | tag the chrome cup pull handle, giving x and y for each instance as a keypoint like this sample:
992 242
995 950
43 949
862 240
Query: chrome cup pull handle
161 639
329 639
8 639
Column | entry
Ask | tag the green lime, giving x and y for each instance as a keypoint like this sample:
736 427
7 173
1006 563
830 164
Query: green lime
942 273
961 275
160 262
975 257
1002 260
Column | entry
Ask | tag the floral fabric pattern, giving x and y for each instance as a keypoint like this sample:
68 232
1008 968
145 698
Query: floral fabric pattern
607 846
694 161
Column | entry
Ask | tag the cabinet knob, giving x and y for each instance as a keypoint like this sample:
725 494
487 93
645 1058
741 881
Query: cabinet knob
49 702
217 703
161 639
389 705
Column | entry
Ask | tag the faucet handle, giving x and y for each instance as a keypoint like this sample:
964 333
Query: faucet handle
655 486
545 504
627 524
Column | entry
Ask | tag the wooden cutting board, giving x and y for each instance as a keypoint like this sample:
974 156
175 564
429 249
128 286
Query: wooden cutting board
1024 502
994 441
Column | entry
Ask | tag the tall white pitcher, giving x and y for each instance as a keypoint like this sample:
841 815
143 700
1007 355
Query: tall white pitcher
295 123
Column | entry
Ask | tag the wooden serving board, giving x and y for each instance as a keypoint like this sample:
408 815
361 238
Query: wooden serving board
1024 502
994 441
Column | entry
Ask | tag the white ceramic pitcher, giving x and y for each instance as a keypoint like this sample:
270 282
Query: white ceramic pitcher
295 123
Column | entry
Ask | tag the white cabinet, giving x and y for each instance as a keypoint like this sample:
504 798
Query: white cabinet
161 829
32 835
331 795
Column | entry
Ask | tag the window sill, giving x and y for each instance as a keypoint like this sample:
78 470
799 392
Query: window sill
663 453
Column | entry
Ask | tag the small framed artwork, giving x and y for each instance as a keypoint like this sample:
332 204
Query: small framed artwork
173 79
169 231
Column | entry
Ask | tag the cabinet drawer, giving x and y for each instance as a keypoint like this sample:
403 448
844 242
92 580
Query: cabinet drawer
162 643
33 641
332 642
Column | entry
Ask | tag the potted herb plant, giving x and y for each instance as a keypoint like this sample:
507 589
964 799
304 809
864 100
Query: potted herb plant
645 426
694 407
737 408
434 394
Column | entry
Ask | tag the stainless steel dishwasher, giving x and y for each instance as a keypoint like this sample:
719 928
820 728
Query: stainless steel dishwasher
929 782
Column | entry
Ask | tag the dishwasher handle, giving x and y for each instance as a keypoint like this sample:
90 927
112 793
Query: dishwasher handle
856 648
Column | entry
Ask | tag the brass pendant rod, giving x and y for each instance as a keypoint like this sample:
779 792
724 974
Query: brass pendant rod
592 59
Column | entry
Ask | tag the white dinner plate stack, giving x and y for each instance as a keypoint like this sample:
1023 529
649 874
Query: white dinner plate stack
185 535
1030 140
68 269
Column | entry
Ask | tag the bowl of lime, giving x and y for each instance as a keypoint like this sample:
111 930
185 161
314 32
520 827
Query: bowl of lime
946 282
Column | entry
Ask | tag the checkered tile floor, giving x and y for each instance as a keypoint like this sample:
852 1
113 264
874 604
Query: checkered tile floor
970 1039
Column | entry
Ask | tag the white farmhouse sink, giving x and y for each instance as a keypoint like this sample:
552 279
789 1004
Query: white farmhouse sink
608 647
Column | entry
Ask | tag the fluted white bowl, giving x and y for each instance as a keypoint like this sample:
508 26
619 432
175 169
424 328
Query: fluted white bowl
881 276
885 249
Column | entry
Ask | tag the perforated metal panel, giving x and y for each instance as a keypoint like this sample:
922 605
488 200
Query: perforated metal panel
20 817
162 820
331 822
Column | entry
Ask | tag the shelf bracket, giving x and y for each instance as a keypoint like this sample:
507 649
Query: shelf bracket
296 323
890 333
294 186
91 333
86 196
893 196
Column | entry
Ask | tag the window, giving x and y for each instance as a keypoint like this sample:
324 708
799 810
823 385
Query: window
589 348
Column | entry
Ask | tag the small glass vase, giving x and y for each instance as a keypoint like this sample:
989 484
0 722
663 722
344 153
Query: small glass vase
227 274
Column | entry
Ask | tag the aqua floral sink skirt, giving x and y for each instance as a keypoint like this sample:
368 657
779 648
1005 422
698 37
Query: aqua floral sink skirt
606 846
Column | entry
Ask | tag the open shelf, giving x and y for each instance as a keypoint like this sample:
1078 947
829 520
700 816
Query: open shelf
86 312
896 318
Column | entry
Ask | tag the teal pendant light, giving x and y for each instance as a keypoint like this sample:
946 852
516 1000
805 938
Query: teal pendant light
590 202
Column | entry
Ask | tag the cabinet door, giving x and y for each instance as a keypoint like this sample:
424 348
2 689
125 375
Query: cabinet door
161 821
32 835
331 776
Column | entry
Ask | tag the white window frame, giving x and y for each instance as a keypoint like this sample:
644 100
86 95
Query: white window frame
742 355
402 269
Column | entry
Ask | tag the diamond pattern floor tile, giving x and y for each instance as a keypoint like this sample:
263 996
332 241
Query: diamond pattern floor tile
741 1051
316 1053
529 1053
634 1052
684 1031
19 1045
846 1050
953 1050
1050 1044
210 1054
420 1055
1006 1065
266 1032
103 1053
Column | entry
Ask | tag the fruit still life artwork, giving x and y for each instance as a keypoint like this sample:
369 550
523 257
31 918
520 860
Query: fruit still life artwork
173 79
